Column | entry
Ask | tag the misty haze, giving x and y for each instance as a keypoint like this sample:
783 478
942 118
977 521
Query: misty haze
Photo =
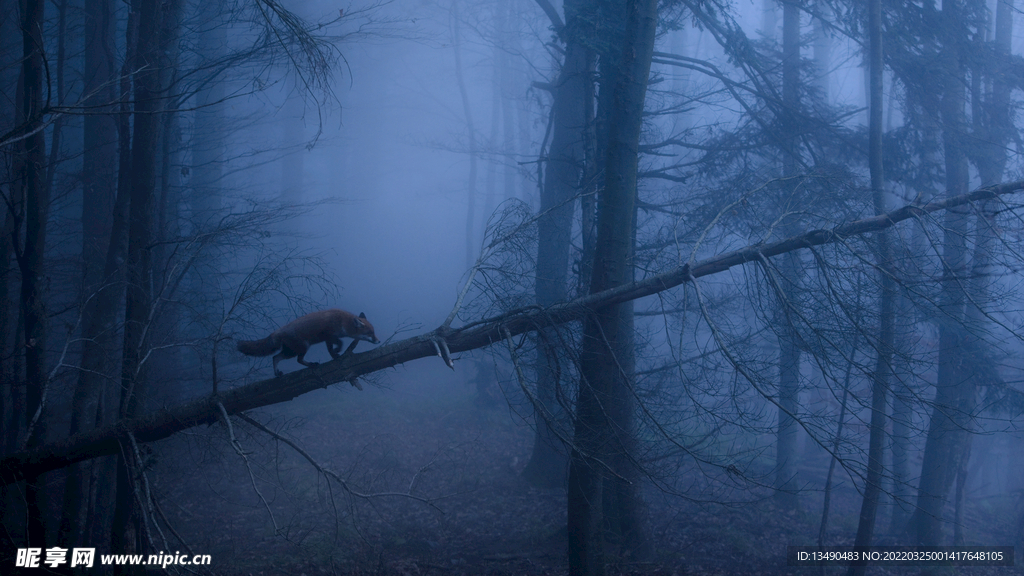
511 287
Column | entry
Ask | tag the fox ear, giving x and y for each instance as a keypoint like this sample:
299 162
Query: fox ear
363 316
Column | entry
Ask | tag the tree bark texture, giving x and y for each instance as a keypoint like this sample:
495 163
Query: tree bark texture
603 431
789 349
471 246
102 227
562 178
126 530
31 255
949 430
884 348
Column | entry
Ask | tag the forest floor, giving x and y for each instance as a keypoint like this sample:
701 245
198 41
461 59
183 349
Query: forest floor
470 512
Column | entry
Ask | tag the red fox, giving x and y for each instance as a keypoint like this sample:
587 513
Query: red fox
294 338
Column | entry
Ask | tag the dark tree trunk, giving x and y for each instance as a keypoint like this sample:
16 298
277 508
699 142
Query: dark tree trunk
10 414
902 420
564 168
166 318
99 141
950 425
471 246
884 348
604 436
102 250
128 526
508 87
30 256
789 350
208 142
208 146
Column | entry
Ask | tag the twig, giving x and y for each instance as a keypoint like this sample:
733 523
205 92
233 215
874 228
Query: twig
328 473
245 459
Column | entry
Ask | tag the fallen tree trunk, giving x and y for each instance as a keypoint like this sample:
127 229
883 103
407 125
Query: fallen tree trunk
206 410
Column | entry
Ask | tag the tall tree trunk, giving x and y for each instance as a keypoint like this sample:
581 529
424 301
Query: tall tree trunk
30 257
491 179
949 428
507 73
126 534
902 421
884 348
564 168
99 141
992 116
10 413
823 49
471 247
769 20
208 145
208 141
836 442
607 347
166 319
99 266
786 484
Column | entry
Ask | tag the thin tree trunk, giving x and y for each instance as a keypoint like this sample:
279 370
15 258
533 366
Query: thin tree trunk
471 246
491 179
166 319
10 416
128 526
564 168
884 349
10 114
950 424
902 417
823 49
208 145
99 172
208 140
786 483
507 85
99 141
30 257
769 20
836 442
958 499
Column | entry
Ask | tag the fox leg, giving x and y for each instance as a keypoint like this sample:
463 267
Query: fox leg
301 359
284 354
333 346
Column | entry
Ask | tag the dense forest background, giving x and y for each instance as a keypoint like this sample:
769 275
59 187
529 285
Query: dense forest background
664 287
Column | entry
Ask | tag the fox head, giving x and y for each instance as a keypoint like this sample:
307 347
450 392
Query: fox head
364 330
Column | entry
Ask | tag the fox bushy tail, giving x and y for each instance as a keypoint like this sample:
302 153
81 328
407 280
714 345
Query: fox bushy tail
264 347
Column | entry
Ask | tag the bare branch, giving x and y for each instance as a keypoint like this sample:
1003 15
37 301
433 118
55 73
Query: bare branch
163 423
